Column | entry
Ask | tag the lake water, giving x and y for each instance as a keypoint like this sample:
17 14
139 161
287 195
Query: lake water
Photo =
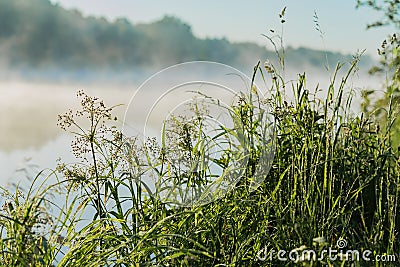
30 137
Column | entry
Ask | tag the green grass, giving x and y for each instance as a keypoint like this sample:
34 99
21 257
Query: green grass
334 176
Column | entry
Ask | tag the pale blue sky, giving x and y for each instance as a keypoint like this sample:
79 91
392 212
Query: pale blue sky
344 26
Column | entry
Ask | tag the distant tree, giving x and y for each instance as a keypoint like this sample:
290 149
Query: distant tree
41 37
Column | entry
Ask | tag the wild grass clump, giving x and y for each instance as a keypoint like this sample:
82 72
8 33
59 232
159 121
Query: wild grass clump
323 175
334 176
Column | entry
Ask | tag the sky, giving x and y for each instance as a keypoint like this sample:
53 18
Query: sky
343 26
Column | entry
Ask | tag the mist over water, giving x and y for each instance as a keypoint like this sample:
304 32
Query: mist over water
28 121
48 53
29 135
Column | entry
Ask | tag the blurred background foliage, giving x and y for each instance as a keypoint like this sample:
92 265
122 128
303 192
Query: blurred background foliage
38 34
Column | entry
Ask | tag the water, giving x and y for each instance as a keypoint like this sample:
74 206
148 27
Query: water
30 137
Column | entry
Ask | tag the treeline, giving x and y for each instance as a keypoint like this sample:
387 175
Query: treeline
39 34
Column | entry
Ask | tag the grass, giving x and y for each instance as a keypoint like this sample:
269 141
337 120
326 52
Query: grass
334 176
322 176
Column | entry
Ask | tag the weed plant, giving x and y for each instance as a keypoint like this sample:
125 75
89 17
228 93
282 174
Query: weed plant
334 176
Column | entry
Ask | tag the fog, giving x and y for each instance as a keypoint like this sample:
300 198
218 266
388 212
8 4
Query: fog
28 121
48 53
30 136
